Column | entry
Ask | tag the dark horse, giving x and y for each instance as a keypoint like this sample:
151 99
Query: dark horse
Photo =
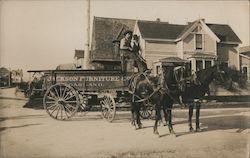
161 91
194 92
163 97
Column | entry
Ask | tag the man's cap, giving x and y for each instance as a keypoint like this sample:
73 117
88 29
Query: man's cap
128 31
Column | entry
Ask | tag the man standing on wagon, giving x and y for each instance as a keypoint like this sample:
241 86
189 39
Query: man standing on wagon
127 51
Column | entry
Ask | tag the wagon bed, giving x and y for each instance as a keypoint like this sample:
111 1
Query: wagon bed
67 92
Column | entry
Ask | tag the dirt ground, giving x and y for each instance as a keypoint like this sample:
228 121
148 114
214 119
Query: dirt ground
30 133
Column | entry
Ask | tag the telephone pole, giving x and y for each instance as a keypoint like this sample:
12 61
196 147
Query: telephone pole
86 59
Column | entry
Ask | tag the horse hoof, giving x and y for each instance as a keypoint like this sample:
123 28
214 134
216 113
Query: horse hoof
198 130
171 131
191 129
139 126
156 132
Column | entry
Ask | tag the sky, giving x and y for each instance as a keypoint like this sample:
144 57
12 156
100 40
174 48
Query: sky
41 34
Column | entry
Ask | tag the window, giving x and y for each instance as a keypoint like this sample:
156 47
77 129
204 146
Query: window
198 41
208 64
199 65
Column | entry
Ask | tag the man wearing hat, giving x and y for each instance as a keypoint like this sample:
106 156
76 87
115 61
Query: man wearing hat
128 51
125 43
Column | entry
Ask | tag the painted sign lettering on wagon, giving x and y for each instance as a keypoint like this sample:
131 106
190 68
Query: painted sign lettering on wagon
92 82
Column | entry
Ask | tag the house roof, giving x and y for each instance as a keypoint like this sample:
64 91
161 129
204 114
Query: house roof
79 54
106 30
4 70
224 32
173 60
203 55
245 50
189 25
164 30
159 30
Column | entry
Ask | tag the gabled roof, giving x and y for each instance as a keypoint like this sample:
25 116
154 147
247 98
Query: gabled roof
159 30
224 32
245 50
106 30
187 27
166 31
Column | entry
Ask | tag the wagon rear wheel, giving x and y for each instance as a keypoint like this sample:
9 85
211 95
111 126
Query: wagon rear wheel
61 101
108 107
146 110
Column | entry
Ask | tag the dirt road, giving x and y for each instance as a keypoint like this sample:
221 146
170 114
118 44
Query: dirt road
26 132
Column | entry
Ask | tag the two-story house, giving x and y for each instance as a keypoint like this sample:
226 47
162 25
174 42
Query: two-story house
198 42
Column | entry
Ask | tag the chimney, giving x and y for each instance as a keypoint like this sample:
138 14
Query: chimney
158 19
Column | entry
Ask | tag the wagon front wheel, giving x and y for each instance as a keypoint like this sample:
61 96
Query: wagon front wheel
108 107
61 101
146 110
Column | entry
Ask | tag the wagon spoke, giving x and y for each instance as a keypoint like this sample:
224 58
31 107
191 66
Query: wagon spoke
69 97
68 93
61 113
56 92
60 90
52 94
70 101
58 111
67 109
52 107
66 112
49 97
65 88
50 102
71 106
54 110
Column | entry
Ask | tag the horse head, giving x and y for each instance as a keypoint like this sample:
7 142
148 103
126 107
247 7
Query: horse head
142 86
175 76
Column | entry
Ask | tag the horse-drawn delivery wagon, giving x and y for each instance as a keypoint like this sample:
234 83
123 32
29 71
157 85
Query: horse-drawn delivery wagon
67 92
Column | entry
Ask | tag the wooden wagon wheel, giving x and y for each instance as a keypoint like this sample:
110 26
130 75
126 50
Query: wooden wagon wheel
108 107
146 110
61 101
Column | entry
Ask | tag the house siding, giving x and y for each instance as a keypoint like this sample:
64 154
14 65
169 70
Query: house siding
188 44
245 62
151 58
228 53
161 47
155 51
210 45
